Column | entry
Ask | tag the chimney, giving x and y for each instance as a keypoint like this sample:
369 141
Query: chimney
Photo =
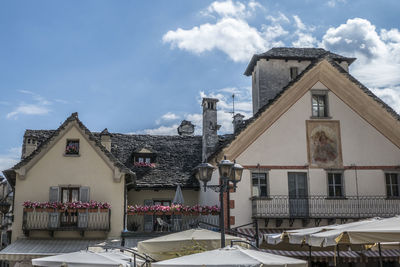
30 145
210 126
237 122
106 139
186 128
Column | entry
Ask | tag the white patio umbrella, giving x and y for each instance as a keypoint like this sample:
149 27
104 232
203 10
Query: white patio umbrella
178 198
182 243
365 232
85 259
232 256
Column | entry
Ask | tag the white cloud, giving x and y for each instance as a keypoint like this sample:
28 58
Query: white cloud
304 34
27 109
332 3
378 54
389 96
40 107
235 37
170 116
228 9
10 158
162 130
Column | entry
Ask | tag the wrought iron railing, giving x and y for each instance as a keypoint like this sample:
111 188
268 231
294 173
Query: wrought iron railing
168 223
66 221
325 207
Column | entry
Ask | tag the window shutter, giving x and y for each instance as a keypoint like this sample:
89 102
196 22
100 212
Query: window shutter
148 219
54 194
84 194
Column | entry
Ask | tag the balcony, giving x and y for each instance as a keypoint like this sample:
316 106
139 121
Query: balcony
322 207
66 221
169 223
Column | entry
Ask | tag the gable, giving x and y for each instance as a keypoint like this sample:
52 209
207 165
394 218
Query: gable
24 165
285 142
340 83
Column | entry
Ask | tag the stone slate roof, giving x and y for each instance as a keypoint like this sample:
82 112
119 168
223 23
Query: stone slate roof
291 53
176 157
328 57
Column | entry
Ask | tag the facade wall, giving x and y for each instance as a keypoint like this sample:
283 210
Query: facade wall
138 197
285 144
55 169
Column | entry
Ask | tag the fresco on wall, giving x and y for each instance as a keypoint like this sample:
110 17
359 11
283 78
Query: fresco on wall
324 146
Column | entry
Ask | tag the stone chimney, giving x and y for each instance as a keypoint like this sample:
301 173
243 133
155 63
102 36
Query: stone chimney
30 145
186 128
237 122
210 126
106 139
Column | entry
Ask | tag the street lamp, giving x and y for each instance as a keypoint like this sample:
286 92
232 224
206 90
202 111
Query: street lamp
229 172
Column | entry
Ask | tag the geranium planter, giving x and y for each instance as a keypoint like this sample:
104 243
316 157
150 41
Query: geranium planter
204 213
178 212
149 213
39 209
71 210
61 210
159 213
214 213
82 210
50 209
28 209
103 210
93 210
168 213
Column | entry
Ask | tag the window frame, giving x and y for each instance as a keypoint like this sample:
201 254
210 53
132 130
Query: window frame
325 94
391 196
266 173
72 154
292 72
341 172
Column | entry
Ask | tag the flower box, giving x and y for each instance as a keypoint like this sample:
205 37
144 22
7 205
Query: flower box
168 213
71 210
149 213
28 209
103 210
81 210
204 213
50 209
39 209
177 212
93 210
159 213
61 210
214 213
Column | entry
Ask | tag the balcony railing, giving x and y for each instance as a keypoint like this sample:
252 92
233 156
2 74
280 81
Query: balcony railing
319 207
66 221
168 223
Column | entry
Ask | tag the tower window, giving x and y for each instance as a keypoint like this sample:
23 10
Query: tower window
293 72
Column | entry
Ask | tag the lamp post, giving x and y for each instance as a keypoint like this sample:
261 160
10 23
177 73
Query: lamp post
229 172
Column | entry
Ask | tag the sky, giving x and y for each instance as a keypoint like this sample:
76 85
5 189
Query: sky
141 67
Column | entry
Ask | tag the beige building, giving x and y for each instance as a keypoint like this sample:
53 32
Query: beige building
320 149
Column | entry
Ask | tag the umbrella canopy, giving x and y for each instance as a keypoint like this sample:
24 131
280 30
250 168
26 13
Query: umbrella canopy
365 232
232 256
178 199
182 243
301 236
85 259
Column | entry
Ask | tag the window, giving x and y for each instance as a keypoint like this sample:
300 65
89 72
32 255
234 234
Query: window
293 72
259 183
335 184
319 101
72 147
69 194
392 185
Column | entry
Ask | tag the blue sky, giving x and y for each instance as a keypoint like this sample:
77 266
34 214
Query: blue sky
143 66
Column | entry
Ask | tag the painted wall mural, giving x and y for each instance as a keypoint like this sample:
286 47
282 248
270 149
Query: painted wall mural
324 145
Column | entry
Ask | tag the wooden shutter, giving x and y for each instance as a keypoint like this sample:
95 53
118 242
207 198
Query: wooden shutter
84 194
148 219
54 217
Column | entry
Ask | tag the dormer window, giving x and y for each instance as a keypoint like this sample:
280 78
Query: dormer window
144 158
72 147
